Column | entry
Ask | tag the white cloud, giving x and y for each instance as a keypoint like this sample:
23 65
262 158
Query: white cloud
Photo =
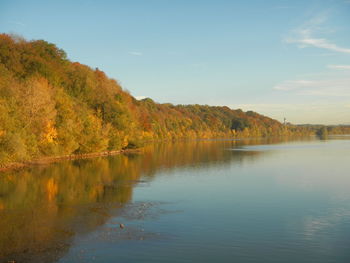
304 36
342 67
334 87
307 41
135 53
294 84
331 83
140 97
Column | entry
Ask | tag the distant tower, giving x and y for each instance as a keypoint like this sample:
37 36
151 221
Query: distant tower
284 121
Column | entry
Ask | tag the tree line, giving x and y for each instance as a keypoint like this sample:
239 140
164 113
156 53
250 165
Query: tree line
50 106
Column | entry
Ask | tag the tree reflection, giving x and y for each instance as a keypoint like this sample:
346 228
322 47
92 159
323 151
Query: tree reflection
43 208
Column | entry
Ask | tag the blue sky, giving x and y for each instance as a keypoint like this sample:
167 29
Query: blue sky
280 58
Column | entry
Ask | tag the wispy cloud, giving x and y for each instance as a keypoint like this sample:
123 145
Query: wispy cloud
330 83
341 67
135 53
321 43
294 84
17 23
334 87
305 36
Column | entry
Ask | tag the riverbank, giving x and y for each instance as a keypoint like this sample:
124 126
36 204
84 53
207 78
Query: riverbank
54 159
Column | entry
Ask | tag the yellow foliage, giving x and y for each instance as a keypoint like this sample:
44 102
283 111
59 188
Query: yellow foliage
125 141
51 106
50 133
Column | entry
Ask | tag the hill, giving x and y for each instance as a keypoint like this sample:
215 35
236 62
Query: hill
51 106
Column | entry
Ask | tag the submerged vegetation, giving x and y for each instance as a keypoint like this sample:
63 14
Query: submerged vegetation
51 106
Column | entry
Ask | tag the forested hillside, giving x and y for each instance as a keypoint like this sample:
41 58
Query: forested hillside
51 106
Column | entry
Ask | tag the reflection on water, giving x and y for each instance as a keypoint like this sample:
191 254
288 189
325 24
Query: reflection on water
41 208
44 210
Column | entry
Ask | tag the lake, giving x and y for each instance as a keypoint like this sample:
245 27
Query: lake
257 200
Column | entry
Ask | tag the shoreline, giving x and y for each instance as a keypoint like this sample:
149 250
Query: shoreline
55 159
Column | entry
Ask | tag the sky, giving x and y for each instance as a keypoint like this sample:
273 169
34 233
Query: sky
283 59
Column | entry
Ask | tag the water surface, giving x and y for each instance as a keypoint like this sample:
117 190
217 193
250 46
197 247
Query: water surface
266 200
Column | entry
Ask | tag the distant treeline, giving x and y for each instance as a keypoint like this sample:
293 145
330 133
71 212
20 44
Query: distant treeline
329 130
51 106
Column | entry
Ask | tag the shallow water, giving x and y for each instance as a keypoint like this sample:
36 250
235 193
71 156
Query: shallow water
227 201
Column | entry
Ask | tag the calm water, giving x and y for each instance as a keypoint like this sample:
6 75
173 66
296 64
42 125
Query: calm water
209 201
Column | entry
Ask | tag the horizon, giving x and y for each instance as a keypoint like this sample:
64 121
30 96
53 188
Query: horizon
281 59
